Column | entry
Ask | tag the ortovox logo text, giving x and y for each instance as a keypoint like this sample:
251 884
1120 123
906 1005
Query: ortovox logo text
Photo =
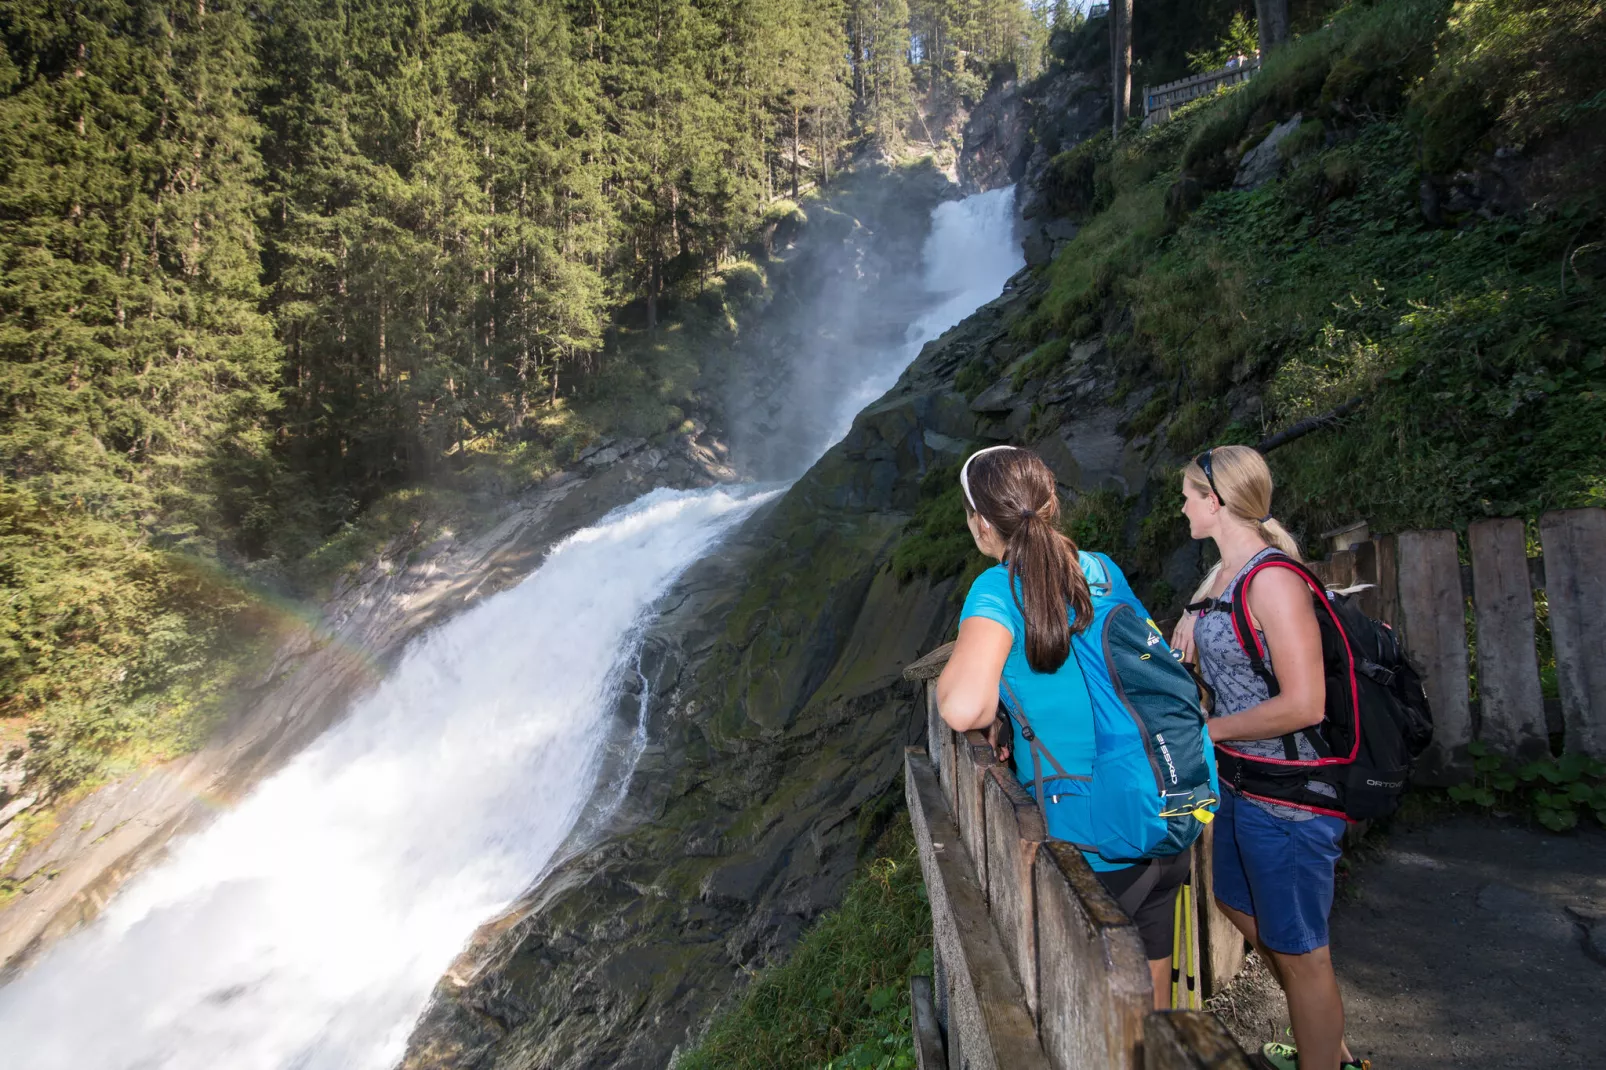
1384 783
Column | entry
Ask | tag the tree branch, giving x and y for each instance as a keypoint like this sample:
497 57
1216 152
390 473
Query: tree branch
1305 427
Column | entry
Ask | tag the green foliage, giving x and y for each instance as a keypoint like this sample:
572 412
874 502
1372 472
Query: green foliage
1242 40
1042 361
1552 790
937 542
1097 520
1515 73
842 999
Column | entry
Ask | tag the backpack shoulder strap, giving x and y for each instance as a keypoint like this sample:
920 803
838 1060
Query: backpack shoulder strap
1243 629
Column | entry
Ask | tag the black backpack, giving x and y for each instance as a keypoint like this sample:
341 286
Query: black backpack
1377 721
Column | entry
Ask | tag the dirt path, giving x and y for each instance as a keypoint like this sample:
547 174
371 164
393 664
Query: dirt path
1462 943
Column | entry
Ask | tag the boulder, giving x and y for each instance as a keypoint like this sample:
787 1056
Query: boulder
1263 163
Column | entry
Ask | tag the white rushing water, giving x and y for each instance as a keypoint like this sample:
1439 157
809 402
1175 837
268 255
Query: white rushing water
306 927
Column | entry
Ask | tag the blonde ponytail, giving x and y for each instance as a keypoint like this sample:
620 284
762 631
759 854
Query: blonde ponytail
1277 535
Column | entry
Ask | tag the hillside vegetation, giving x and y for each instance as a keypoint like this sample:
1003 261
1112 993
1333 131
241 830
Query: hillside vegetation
1434 248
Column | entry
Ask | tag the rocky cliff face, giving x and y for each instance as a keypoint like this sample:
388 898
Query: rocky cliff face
1016 130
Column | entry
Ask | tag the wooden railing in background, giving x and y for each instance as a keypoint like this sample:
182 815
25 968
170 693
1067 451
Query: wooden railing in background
1423 591
1037 966
1161 100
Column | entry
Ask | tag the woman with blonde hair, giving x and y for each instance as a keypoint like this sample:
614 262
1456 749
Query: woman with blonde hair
1015 635
1273 861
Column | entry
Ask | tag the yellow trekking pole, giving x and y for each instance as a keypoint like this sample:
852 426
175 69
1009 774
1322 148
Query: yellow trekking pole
1192 970
1176 943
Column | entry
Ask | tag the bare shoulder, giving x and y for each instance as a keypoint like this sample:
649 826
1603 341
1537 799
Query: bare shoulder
1279 591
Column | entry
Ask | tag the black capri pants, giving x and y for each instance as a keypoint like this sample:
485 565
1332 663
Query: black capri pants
1155 914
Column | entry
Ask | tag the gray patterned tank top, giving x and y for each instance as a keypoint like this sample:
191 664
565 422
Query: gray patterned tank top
1226 668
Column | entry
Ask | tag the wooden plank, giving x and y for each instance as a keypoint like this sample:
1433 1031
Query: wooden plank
1094 989
930 666
1575 586
1014 833
1432 625
973 756
988 1025
1509 699
1190 1040
939 740
1341 568
930 1053
1388 579
1366 572
1221 949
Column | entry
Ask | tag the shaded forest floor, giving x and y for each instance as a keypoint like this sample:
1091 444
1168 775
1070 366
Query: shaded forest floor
1460 941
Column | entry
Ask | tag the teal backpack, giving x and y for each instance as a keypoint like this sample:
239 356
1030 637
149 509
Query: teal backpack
1153 787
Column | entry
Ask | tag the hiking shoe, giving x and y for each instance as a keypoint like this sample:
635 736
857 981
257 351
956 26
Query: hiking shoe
1277 1055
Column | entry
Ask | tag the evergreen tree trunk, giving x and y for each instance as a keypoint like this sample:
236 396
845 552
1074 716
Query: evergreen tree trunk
1120 62
795 151
1272 16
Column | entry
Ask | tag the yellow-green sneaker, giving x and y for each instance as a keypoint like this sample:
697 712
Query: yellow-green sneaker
1280 1055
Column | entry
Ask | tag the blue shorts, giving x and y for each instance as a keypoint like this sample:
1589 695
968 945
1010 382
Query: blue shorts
1278 871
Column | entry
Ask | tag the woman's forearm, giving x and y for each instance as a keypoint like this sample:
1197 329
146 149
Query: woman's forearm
1272 718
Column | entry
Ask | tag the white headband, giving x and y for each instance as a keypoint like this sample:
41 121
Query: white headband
964 473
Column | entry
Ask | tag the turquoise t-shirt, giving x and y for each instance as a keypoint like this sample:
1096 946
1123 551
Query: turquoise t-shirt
1060 695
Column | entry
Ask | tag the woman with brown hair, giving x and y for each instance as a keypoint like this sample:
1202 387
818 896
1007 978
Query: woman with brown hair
1015 633
1273 861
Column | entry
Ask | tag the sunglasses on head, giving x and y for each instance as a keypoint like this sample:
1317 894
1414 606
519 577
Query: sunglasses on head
1210 477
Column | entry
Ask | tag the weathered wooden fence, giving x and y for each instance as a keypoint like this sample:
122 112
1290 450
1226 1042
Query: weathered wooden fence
1037 966
1161 100
1437 605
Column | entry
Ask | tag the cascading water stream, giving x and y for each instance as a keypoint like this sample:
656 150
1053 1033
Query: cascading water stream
306 927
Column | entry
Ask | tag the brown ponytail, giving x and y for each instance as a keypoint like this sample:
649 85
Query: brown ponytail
1013 490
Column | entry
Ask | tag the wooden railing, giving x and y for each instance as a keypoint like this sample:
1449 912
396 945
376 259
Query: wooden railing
1037 966
1159 101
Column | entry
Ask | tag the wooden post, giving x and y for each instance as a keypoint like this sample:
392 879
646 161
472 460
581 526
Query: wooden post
929 1051
1221 944
1015 831
974 757
1120 62
939 740
1575 586
988 1024
1190 1040
1387 548
1370 601
1094 989
1341 568
1432 625
1512 706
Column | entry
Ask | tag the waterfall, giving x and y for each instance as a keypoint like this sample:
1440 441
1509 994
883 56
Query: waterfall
306 927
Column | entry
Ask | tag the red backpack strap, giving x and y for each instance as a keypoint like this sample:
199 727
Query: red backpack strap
1243 629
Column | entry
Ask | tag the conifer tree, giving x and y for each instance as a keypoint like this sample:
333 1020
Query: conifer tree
138 369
